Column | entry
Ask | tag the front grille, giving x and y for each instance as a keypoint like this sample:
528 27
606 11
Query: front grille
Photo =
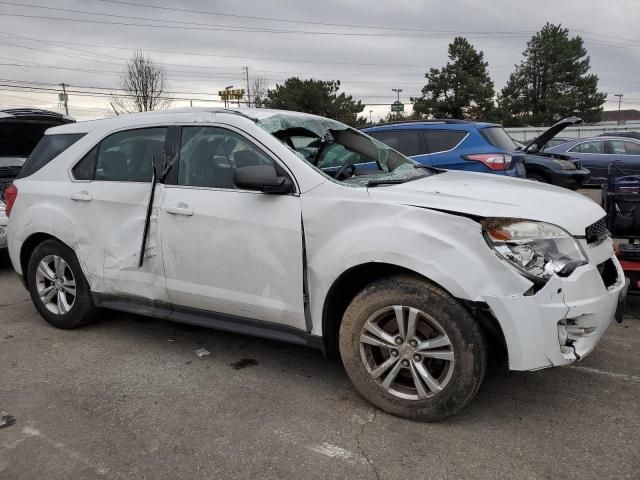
597 231
608 272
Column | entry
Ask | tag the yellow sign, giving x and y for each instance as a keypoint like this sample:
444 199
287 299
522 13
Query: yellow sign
231 94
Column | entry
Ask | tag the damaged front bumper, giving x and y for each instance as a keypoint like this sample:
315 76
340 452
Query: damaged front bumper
563 321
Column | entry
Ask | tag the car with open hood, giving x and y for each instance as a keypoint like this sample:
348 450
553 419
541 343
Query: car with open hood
299 228
543 165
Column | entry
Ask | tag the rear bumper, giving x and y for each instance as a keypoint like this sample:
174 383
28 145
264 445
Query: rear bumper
579 308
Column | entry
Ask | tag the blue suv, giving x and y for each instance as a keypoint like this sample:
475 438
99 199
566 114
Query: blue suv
454 144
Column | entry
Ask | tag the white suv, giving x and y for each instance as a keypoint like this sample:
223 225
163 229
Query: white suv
298 228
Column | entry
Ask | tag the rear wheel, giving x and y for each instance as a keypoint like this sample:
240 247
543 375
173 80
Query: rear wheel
57 286
411 349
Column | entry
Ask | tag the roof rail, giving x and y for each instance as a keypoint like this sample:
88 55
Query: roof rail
431 120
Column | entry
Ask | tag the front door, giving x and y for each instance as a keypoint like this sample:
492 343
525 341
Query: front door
228 250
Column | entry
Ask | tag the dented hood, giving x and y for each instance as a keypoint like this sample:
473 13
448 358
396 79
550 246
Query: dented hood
485 195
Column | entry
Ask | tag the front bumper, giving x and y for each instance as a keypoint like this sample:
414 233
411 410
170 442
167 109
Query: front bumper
579 308
569 178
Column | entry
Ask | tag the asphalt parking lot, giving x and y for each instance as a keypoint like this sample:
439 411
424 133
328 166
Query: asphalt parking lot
128 397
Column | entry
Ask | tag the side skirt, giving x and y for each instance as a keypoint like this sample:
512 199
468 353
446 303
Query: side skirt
205 318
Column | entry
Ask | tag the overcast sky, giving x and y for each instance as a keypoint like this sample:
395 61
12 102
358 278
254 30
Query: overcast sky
371 46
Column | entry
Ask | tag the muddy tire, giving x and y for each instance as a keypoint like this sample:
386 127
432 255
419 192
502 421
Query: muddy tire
411 349
58 287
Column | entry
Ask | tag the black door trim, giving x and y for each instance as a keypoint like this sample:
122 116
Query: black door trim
205 318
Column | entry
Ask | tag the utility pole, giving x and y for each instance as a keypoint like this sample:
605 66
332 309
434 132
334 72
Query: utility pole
619 95
246 70
64 99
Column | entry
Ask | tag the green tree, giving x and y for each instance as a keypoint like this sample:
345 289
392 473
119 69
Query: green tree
319 97
461 89
552 82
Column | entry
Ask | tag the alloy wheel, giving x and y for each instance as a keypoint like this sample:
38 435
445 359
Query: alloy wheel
56 284
407 352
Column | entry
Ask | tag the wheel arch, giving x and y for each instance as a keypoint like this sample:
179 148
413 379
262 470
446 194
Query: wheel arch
29 245
356 278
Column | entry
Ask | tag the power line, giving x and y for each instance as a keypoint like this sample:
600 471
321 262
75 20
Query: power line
225 27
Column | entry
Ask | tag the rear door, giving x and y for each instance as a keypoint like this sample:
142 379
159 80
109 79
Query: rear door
441 146
626 154
111 189
409 142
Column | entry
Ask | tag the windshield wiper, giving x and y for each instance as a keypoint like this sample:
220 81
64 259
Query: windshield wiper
389 181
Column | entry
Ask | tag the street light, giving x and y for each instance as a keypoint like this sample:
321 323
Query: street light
619 95
226 97
397 90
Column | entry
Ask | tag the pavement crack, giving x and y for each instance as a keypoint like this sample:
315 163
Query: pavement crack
364 454
14 303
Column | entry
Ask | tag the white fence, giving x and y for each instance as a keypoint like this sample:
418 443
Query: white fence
527 133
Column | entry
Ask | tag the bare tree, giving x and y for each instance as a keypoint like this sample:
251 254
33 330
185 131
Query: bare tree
258 91
143 86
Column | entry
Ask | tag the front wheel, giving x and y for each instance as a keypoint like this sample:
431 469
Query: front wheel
411 349
57 286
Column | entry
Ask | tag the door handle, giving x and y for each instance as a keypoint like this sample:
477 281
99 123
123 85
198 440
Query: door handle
83 196
181 210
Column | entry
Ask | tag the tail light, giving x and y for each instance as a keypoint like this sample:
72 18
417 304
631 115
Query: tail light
494 161
10 195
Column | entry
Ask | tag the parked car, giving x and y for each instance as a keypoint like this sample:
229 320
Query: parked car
403 269
454 144
20 131
598 153
554 168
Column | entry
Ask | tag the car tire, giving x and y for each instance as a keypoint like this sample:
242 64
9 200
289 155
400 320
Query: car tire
438 335
536 177
58 287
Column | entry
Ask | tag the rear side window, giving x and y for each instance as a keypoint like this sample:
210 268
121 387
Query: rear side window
406 142
124 157
443 140
499 138
49 147
622 147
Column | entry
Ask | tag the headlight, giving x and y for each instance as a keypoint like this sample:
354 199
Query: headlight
564 164
537 249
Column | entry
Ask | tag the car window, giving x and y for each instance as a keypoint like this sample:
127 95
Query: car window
498 137
443 140
124 157
406 142
589 147
622 147
48 148
209 157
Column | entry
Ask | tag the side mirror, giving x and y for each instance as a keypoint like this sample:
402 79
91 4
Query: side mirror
263 178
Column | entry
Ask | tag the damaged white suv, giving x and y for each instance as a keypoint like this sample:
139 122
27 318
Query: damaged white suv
298 228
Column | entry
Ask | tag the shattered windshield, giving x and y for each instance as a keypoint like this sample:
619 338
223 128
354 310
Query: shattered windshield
341 152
